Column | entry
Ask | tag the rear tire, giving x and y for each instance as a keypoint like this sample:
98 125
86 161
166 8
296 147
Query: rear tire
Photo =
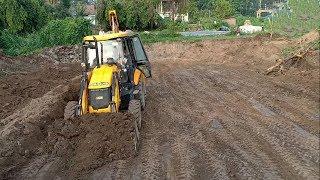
142 94
135 109
70 110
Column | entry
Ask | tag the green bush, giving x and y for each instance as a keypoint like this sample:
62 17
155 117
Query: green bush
302 17
254 21
160 36
64 32
174 26
208 23
58 32
133 14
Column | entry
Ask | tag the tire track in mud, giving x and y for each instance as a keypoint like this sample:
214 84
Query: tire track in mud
209 123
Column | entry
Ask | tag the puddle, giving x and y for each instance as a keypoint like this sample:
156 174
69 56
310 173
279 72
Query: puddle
314 117
302 132
261 108
204 33
216 124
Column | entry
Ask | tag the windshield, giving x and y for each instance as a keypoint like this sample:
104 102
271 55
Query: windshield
111 49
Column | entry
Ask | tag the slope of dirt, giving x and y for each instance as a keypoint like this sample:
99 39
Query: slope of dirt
27 78
211 113
22 132
89 142
37 134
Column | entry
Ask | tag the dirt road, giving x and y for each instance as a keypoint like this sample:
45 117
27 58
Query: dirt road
212 113
212 118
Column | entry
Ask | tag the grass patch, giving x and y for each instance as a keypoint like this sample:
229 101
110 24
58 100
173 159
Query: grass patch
58 32
303 17
159 36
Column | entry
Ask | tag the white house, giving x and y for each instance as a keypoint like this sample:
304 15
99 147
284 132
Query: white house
172 8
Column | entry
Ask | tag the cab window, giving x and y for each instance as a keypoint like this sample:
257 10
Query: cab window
111 49
140 55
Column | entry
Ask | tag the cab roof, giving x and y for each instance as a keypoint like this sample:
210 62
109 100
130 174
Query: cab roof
109 36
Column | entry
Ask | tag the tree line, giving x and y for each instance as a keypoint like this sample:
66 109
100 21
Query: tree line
27 16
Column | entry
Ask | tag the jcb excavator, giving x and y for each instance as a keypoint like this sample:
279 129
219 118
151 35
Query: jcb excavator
115 68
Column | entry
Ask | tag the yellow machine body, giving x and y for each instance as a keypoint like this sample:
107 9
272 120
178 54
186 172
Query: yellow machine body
100 92
137 76
101 78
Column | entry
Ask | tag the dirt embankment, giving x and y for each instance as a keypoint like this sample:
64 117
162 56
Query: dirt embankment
27 78
32 127
212 113
38 135
86 143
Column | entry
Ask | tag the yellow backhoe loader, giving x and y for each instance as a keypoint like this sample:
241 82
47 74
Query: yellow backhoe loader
115 68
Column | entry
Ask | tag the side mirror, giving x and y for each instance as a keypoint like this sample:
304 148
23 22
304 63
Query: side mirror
145 70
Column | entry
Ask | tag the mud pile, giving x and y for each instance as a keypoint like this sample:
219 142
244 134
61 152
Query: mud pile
62 54
38 135
90 141
21 133
19 88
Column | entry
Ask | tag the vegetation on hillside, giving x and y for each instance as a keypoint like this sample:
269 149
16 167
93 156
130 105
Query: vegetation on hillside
303 17
57 32
135 14
29 25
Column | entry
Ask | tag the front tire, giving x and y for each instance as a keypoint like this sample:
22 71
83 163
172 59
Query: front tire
135 109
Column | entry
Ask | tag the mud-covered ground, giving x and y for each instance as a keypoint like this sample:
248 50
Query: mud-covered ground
212 113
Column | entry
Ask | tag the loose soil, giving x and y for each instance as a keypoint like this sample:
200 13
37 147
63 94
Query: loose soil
27 78
212 113
88 142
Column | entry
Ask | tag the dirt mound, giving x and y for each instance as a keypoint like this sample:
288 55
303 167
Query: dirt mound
63 54
88 142
299 55
18 89
307 38
79 145
22 132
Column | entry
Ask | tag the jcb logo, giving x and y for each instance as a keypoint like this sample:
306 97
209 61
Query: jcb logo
99 84
99 97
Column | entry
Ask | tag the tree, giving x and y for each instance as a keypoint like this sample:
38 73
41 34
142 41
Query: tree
133 14
59 10
65 3
80 8
205 4
23 15
2 16
246 7
223 9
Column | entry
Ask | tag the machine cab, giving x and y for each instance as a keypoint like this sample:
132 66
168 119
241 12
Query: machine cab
126 51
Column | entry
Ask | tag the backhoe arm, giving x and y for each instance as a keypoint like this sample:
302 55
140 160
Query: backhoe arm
113 20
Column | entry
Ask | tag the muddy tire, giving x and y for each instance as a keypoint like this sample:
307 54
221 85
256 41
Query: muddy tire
135 109
70 110
142 94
